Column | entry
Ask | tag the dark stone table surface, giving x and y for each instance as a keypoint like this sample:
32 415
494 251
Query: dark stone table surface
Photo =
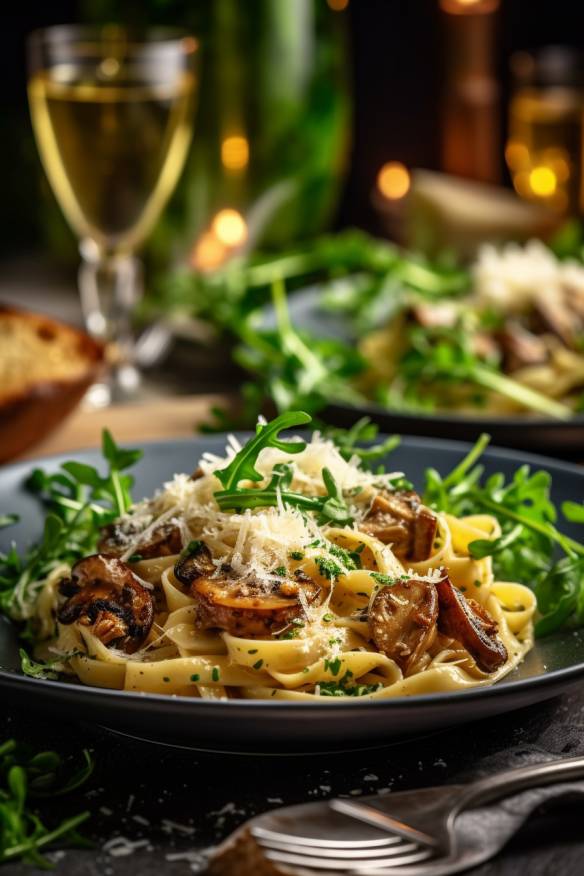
181 803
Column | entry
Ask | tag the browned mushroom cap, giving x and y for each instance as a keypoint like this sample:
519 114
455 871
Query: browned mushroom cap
104 594
401 520
164 541
194 562
520 347
243 606
402 620
471 624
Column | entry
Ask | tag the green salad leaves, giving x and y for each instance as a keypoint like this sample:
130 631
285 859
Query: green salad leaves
79 501
27 777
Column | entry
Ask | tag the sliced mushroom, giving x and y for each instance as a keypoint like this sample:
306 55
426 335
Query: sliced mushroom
401 520
521 347
194 562
164 541
553 315
471 624
243 606
104 594
402 621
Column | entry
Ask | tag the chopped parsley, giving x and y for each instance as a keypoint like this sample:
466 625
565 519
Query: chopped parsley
289 634
296 555
135 558
215 674
344 688
386 580
253 651
333 666
327 618
195 677
258 664
328 568
193 547
350 559
280 571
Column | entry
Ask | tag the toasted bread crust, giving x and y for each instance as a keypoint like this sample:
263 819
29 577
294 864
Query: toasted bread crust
58 363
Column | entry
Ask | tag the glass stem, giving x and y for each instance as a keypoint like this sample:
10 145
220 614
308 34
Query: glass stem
110 287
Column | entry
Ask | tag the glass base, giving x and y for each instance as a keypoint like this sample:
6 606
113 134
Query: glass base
122 386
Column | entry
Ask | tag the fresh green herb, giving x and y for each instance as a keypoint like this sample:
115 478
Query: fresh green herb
327 618
165 678
242 466
193 547
385 580
281 571
215 673
38 670
329 508
350 441
333 666
258 664
80 501
296 555
25 775
195 677
253 651
135 558
328 568
289 634
345 687
8 520
526 549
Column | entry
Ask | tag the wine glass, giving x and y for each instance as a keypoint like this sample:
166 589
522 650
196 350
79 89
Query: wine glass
112 116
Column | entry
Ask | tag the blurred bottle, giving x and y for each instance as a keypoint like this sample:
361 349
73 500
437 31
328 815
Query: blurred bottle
471 135
544 150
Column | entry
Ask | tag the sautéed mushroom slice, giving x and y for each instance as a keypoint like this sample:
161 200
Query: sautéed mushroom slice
401 520
242 605
402 621
104 594
471 624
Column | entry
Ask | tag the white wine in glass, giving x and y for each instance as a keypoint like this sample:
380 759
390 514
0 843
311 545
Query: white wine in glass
112 116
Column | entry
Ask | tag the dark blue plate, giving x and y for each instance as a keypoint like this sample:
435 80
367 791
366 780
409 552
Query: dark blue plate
243 725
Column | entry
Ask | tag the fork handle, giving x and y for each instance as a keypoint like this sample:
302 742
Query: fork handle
506 783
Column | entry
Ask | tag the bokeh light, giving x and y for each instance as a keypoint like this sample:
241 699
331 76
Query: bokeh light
543 182
393 180
235 152
338 5
208 252
230 227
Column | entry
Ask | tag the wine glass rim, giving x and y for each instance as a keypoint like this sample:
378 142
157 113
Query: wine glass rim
97 35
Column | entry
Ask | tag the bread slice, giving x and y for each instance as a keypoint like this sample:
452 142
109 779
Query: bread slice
45 368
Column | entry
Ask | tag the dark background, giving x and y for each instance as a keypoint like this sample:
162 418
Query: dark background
398 62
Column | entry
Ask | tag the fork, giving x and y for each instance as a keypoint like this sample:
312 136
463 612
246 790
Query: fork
428 832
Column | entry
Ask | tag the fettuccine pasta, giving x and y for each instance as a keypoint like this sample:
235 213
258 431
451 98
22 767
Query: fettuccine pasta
189 599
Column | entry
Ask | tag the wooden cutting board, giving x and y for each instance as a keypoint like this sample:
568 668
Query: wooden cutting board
176 417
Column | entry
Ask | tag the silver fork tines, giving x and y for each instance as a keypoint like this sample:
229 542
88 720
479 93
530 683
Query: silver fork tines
345 865
348 856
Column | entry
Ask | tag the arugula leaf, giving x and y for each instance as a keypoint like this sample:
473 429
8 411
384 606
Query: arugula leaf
526 550
25 774
490 547
8 520
348 441
573 511
242 466
79 501
37 670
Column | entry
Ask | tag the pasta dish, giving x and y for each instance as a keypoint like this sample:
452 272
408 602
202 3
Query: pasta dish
284 570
